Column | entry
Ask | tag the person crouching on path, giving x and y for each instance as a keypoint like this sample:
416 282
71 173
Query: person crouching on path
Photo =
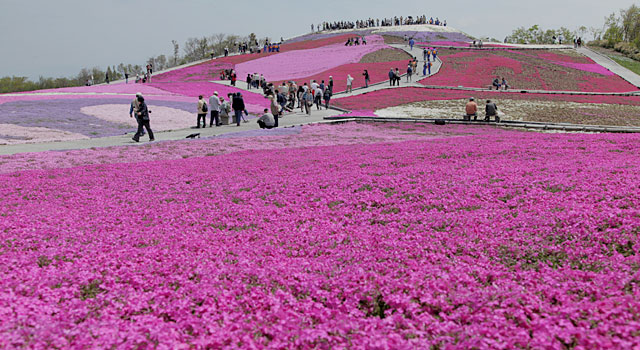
133 110
202 112
267 121
214 106
143 117
471 110
491 110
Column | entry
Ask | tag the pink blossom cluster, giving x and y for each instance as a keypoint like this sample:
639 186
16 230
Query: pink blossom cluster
500 240
378 72
394 97
309 136
304 63
206 71
117 88
525 71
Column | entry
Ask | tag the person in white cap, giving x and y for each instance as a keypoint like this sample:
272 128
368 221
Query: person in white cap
214 106
133 110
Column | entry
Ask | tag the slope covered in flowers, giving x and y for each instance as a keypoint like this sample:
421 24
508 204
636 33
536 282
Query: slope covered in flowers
525 70
497 240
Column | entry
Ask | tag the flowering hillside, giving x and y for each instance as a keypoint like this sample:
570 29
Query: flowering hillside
450 242
530 70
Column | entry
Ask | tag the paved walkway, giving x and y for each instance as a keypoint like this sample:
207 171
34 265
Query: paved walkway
290 119
611 65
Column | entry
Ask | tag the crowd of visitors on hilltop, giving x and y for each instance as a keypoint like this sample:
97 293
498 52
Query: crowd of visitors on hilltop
384 22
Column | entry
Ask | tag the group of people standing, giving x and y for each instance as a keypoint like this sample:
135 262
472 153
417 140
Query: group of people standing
385 22
221 110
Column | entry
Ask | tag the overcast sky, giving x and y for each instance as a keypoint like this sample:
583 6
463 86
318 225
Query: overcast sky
59 37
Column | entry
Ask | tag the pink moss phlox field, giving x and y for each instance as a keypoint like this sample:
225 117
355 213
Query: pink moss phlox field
524 71
394 97
118 88
311 136
507 240
255 102
378 72
304 63
206 71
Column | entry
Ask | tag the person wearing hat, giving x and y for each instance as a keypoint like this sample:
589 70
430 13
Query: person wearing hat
471 110
214 106
133 110
225 109
143 120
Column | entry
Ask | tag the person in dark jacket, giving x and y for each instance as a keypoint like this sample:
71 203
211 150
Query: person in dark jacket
491 110
392 77
367 78
327 98
238 107
143 120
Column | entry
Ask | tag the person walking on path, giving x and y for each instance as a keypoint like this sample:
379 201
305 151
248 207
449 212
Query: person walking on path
307 101
249 81
234 77
214 106
366 78
327 98
397 75
202 112
349 83
424 54
491 110
317 98
409 72
331 84
424 68
238 107
411 43
392 77
143 117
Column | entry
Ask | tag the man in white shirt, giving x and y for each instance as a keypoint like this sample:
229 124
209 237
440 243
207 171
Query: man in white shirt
214 106
267 121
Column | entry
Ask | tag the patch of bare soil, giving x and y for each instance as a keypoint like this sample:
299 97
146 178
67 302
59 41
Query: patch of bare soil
386 55
390 39
523 110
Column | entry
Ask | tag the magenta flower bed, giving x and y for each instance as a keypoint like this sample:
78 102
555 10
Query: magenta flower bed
304 63
446 243
378 72
311 136
525 71
202 72
395 97
119 88
255 102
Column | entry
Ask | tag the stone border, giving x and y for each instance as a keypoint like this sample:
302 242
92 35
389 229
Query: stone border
564 127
